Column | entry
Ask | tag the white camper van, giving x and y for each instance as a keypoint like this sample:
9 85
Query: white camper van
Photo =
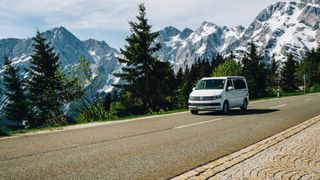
219 93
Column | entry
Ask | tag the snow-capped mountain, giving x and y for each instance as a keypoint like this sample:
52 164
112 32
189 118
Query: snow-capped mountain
101 56
280 29
283 28
182 48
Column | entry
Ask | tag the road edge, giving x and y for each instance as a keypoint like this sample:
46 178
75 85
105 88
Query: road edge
237 157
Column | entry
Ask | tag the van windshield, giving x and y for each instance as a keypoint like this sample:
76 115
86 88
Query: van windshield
210 84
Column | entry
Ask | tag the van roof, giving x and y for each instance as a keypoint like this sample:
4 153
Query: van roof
224 77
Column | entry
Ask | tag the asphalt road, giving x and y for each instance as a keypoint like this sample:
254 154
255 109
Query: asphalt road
152 148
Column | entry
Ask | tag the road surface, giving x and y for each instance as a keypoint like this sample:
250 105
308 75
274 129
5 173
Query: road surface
152 148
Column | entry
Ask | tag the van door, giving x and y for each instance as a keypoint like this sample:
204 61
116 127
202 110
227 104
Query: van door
240 91
231 94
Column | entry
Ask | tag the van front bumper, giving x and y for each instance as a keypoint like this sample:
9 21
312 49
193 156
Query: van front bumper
204 106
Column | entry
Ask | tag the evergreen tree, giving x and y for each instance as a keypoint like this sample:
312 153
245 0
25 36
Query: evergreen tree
140 72
273 77
190 79
309 68
48 90
179 78
186 74
204 69
255 72
217 61
107 102
288 78
15 107
163 81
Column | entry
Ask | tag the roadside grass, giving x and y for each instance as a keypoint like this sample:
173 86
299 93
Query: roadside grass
53 128
281 95
4 132
32 130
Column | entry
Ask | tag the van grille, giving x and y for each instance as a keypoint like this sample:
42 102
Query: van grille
202 98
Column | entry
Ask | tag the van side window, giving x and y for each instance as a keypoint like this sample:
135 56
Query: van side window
239 84
229 83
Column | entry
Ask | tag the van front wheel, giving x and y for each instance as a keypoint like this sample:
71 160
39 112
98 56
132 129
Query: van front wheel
225 108
194 112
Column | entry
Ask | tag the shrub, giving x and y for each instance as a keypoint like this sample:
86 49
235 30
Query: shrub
93 113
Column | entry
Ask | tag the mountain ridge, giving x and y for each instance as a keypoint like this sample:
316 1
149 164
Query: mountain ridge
280 29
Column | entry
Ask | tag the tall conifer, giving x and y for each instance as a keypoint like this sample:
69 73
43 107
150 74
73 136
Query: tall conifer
48 89
288 78
15 107
142 72
255 72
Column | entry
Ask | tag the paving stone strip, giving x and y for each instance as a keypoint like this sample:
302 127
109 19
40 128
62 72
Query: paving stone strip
291 154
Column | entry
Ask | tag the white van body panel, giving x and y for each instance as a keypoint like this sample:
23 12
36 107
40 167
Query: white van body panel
214 99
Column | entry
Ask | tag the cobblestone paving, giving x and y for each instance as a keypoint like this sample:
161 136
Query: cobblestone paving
292 154
296 157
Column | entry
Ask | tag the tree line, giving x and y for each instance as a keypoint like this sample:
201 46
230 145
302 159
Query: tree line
41 97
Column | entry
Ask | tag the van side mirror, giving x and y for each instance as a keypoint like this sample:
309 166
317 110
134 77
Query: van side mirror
230 88
193 89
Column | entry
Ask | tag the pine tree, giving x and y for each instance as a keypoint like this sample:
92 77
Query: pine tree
107 102
217 61
48 90
141 67
255 72
15 107
288 78
186 74
179 78
309 68
273 76
163 85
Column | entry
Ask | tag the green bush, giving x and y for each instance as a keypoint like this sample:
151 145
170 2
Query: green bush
315 88
4 131
93 113
121 109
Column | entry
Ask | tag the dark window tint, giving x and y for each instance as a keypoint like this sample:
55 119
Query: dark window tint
229 83
239 84
210 84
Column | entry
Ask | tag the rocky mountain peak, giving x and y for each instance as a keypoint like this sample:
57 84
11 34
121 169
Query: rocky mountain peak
268 12
167 33
185 33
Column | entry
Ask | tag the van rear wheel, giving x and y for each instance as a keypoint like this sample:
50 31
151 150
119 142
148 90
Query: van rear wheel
244 105
194 112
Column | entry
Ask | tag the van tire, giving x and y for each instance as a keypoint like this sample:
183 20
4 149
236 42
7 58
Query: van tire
244 105
194 112
225 107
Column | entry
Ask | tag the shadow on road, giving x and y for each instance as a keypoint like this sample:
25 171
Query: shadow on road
239 112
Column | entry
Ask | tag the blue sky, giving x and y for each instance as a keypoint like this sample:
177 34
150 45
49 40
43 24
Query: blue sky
108 19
